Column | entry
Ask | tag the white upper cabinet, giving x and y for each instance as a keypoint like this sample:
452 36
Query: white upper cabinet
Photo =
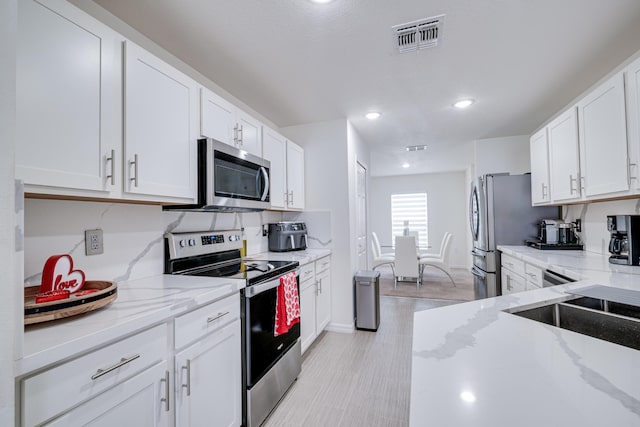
564 157
249 133
603 139
632 84
287 170
217 117
160 127
539 148
274 149
295 176
222 121
68 103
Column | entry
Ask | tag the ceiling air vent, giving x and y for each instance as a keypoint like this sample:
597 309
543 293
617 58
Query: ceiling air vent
416 147
420 34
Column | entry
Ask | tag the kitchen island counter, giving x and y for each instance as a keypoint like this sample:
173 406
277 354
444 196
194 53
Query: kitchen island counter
473 364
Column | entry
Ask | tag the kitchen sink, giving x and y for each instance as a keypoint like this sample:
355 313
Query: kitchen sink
607 319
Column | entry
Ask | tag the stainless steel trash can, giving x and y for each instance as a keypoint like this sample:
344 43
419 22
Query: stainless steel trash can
367 300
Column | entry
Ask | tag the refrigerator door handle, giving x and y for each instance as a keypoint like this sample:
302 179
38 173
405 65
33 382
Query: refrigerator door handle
478 254
478 273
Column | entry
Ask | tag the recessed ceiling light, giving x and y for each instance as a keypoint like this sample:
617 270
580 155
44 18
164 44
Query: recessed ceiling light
467 396
463 103
416 147
372 115
405 165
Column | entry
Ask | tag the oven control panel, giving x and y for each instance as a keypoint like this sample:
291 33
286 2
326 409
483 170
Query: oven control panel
200 243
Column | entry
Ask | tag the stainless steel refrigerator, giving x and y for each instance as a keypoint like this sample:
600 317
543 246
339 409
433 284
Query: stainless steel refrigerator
500 213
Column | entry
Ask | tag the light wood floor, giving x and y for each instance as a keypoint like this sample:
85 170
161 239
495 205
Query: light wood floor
359 379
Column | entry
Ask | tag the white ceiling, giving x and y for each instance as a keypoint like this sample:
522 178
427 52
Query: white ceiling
298 62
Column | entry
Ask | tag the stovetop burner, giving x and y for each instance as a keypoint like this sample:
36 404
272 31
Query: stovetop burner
252 271
217 254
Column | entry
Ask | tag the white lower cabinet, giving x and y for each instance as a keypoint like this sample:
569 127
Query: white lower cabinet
81 391
208 374
518 276
323 298
315 300
143 401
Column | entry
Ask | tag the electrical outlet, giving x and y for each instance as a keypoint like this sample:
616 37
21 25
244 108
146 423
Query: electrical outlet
93 242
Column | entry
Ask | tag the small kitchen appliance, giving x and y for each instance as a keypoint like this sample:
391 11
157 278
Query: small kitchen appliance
556 234
624 244
287 236
270 364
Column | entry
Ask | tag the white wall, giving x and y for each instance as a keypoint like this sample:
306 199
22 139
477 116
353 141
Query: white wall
594 235
10 234
446 206
327 187
508 154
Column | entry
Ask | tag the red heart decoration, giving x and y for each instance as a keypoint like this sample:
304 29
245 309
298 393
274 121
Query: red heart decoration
58 274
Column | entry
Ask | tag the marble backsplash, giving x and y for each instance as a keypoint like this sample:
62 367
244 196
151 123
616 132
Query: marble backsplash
594 235
133 234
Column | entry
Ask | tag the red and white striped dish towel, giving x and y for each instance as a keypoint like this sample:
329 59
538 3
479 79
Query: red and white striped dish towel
287 304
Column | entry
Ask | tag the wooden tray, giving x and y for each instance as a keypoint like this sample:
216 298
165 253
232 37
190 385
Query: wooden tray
52 310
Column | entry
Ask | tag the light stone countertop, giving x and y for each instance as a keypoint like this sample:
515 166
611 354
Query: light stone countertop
140 304
522 372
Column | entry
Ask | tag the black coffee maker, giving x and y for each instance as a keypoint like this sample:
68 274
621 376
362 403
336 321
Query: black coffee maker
624 244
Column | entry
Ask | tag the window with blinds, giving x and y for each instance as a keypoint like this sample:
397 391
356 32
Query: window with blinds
410 209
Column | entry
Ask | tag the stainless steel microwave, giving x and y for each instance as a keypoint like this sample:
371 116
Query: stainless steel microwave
229 179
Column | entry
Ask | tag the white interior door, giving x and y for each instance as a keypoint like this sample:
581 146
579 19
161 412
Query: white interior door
361 196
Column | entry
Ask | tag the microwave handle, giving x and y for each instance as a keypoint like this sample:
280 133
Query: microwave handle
265 174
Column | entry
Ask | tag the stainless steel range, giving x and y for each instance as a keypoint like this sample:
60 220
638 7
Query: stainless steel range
270 363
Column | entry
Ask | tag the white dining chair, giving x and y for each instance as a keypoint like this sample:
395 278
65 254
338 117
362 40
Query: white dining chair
440 253
441 263
378 258
406 260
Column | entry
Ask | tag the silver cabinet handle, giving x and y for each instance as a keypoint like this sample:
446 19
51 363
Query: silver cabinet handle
216 317
290 201
544 191
122 362
571 186
235 135
167 390
112 159
286 198
241 135
134 178
188 384
532 275
509 283
629 166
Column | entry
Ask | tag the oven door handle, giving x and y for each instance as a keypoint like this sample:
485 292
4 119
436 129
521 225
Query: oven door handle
254 290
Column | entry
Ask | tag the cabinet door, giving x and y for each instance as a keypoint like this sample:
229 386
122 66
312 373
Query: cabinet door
512 282
249 131
140 401
632 87
323 300
217 117
274 150
295 176
208 380
564 157
160 106
539 168
307 313
603 139
68 102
